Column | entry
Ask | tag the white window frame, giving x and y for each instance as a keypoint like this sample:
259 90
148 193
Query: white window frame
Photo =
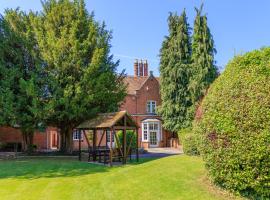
108 135
159 135
75 135
147 132
152 108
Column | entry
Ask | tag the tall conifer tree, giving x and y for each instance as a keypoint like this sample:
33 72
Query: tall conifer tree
203 71
81 72
175 56
6 97
23 66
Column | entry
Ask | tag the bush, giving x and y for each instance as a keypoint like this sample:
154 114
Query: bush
235 126
189 142
130 134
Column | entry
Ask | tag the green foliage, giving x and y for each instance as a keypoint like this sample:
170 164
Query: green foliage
234 129
203 70
186 69
81 73
189 142
131 137
6 96
23 85
175 57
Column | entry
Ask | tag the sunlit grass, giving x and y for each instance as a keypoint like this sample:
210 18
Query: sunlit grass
175 177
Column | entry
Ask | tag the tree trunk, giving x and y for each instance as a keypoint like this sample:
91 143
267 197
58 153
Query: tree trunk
66 145
28 138
62 140
69 140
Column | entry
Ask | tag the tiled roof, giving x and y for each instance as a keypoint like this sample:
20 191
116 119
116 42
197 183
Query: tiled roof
135 83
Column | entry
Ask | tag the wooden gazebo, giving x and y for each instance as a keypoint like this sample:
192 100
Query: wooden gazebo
109 123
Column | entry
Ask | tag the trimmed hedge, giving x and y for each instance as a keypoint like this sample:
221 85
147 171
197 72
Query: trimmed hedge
189 142
235 127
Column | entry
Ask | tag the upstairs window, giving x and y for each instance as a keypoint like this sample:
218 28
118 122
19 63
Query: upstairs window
151 107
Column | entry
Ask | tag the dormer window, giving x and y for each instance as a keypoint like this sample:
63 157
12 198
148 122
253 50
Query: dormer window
151 107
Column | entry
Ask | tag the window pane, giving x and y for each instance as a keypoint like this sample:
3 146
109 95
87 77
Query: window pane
148 107
155 126
153 107
145 126
151 126
145 135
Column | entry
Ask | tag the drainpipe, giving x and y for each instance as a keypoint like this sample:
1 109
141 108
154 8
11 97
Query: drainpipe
136 98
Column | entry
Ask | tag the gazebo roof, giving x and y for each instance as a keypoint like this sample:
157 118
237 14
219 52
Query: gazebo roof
108 120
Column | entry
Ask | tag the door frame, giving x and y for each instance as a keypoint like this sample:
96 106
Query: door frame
54 135
158 131
157 141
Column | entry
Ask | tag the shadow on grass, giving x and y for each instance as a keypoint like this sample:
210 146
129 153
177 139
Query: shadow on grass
47 168
33 168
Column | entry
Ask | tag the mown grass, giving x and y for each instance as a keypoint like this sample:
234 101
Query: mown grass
175 177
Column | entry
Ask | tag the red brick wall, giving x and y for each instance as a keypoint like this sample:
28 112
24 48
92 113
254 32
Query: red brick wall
8 134
137 105
11 135
149 91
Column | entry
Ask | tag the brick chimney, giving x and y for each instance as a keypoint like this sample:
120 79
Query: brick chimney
136 69
145 68
140 68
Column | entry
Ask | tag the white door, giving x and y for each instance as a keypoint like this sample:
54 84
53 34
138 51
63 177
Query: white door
153 134
153 138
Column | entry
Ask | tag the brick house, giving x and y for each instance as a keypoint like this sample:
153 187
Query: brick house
141 102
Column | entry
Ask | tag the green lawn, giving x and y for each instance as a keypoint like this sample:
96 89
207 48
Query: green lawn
175 177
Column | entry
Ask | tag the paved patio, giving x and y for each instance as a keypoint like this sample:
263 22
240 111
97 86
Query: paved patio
161 152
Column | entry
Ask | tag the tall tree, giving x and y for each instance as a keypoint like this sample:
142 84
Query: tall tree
203 68
175 56
82 78
6 97
24 68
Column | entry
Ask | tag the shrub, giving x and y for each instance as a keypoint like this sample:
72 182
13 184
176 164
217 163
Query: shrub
130 134
235 126
189 142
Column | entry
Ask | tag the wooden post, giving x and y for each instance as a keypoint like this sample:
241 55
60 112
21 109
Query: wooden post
106 139
80 148
94 145
125 141
111 147
137 145
86 138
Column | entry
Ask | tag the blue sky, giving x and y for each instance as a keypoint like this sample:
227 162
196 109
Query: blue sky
139 26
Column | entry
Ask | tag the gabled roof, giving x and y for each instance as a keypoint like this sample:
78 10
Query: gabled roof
136 82
108 120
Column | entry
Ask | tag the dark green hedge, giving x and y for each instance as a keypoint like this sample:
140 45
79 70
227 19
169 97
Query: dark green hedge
235 126
189 142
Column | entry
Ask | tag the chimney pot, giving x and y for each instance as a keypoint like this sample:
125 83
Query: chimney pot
141 68
136 70
145 67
